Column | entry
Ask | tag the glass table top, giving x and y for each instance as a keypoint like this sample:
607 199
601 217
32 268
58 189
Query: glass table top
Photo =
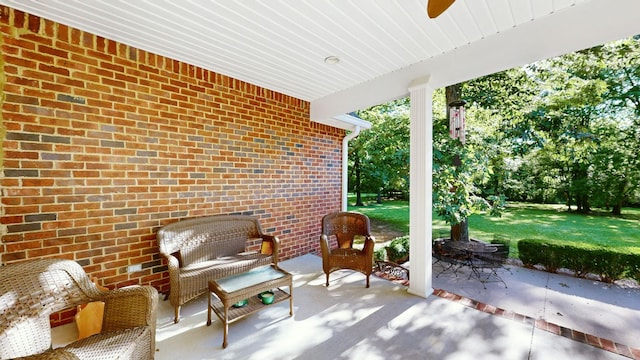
253 277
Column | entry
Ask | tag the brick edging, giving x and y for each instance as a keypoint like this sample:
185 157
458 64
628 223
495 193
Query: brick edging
600 343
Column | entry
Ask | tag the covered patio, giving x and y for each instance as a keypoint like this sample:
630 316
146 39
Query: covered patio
317 61
345 56
539 316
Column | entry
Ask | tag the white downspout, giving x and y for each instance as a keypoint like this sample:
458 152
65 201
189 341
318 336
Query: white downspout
354 124
345 164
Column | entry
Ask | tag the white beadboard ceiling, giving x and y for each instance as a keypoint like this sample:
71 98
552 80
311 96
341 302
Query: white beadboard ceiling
383 45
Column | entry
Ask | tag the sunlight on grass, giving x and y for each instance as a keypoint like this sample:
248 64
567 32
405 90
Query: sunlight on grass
526 221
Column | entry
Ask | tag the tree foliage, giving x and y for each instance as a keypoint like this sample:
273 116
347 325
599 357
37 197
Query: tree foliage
588 113
382 153
565 129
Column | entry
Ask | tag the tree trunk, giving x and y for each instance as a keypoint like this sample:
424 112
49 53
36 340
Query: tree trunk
568 196
617 209
356 165
459 231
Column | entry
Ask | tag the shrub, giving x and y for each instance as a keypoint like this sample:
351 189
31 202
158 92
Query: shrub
609 264
398 249
505 242
633 261
380 254
530 252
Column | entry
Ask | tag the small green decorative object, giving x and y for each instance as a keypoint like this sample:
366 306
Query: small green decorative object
241 303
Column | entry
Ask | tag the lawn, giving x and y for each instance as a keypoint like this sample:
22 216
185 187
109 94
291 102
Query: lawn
522 221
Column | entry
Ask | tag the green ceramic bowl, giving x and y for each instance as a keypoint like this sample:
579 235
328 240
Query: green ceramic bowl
267 297
241 303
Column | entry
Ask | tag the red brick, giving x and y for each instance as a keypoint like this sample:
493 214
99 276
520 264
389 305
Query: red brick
193 120
42 252
579 336
608 345
553 328
593 340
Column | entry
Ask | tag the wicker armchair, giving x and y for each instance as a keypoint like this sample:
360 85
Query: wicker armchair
341 228
30 291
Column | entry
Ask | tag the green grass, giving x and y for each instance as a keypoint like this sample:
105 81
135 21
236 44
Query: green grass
522 221
395 213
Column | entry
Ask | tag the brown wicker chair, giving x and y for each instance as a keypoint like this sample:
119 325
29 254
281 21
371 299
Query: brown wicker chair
341 228
32 290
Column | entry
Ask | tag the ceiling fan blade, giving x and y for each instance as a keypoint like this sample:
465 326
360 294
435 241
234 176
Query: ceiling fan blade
437 7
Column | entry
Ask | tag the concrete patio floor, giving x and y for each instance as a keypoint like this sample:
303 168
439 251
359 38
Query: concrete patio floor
603 315
463 321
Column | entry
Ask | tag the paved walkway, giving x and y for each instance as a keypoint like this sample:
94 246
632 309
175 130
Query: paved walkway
606 316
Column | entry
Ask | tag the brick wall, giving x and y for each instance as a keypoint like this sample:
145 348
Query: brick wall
104 143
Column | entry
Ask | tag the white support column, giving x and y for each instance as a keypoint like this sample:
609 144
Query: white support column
420 205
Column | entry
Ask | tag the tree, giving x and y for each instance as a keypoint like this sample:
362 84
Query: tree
617 167
588 104
496 108
459 175
382 153
611 171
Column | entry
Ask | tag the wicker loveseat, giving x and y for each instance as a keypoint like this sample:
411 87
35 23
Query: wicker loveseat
211 247
32 290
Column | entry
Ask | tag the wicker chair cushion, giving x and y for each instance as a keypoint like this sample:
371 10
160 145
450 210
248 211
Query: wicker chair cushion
194 278
130 343
122 344
227 265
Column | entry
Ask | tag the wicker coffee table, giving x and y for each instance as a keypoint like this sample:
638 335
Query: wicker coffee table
227 291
